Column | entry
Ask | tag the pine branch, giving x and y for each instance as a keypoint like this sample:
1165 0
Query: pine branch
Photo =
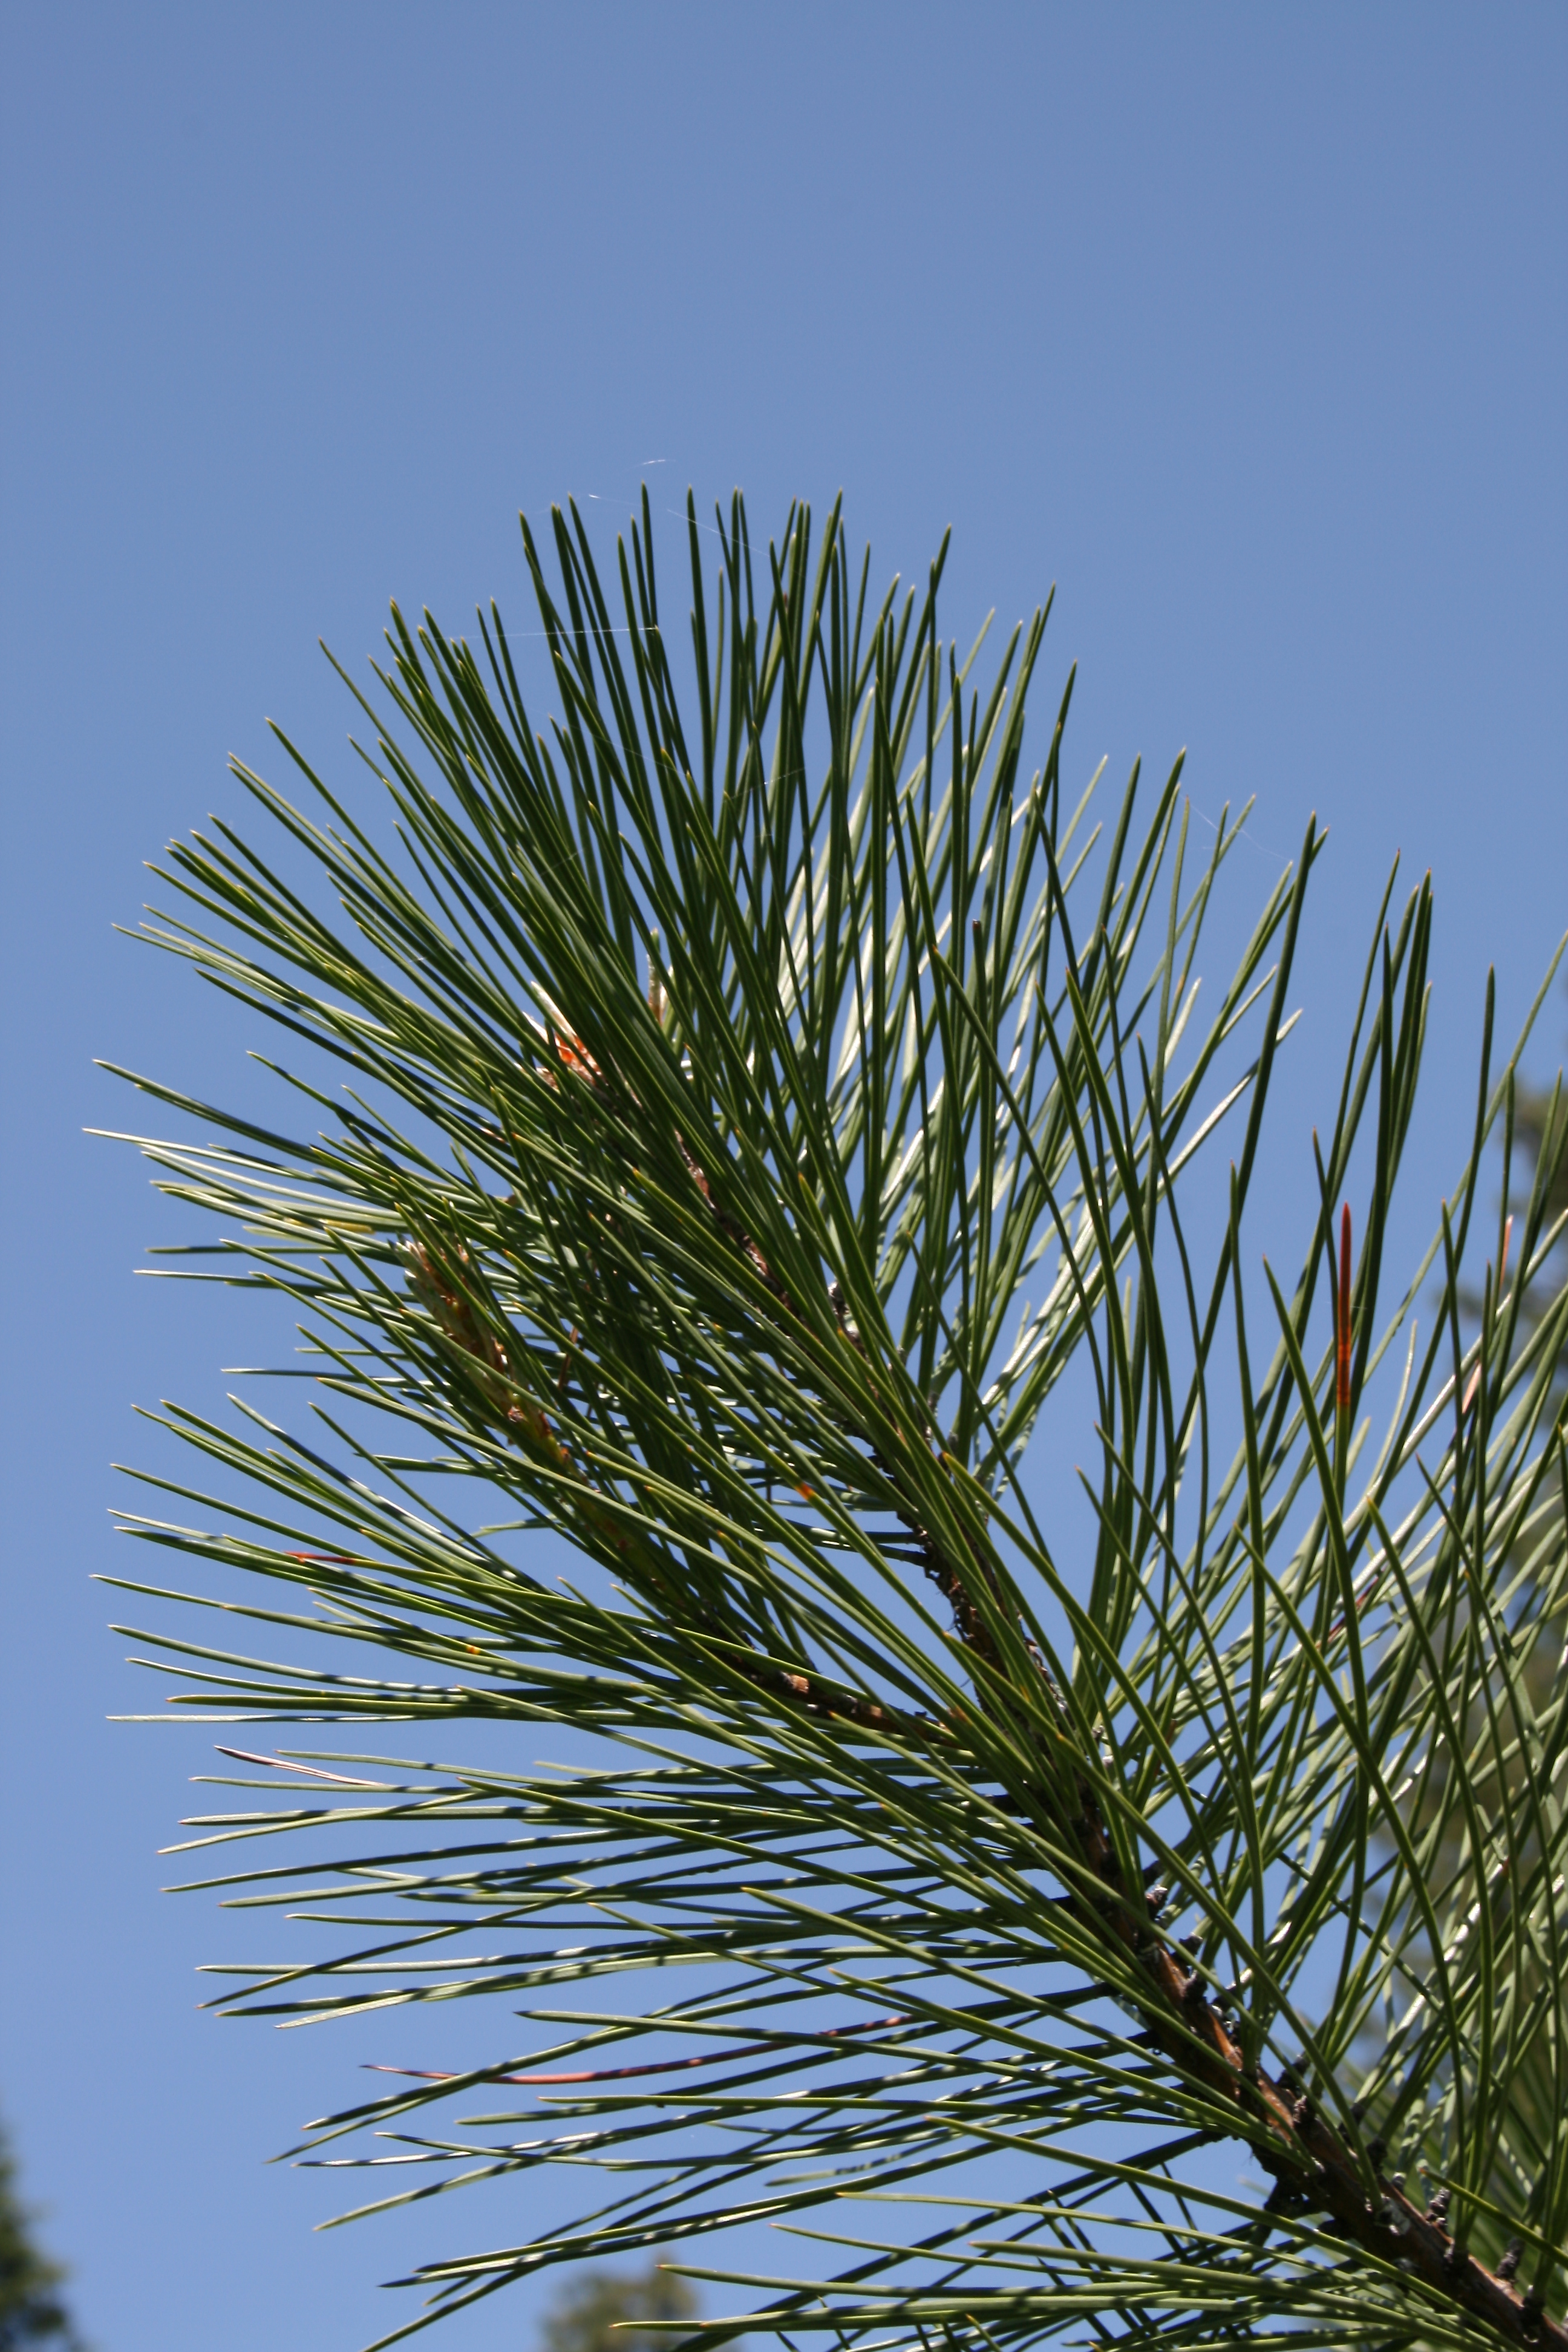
706 1126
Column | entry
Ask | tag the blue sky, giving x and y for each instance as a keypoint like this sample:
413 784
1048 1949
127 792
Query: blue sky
1246 326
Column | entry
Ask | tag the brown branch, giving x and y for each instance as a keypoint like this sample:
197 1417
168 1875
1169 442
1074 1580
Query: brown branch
832 1701
1311 2167
1311 2163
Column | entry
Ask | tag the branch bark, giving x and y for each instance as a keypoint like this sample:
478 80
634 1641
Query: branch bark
1311 2166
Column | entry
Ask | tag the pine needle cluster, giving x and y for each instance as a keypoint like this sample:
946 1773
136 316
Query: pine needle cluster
728 1116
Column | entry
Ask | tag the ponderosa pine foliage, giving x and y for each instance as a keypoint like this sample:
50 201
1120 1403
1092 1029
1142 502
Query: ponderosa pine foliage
720 1133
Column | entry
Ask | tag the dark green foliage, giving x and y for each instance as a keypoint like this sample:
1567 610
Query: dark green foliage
31 2309
740 1125
608 2311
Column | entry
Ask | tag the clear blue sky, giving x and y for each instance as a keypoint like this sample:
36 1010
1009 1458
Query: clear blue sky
1246 325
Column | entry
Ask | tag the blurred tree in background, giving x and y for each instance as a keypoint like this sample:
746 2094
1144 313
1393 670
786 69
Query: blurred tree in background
31 2311
609 2311
1538 1122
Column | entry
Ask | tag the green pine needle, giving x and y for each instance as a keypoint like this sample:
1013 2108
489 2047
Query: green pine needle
719 1134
